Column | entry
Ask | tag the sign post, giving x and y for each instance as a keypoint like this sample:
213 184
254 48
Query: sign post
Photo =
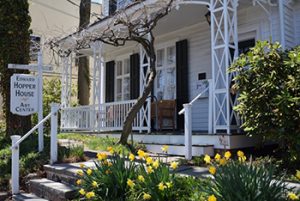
27 93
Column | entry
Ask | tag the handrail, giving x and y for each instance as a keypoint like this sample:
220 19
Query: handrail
33 129
198 96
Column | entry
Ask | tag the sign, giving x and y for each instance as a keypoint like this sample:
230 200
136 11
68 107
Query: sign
24 94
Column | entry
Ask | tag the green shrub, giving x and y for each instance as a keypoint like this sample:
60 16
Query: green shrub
71 154
243 181
268 81
51 94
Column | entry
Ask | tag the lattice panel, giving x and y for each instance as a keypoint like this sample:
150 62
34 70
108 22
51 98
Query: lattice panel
98 63
144 72
66 81
224 40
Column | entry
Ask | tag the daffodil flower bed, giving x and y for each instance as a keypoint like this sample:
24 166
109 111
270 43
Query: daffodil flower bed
121 178
241 180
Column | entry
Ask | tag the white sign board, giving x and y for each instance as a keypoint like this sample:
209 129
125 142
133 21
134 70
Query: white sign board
24 94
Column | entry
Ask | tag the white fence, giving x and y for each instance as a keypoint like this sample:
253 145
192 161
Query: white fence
103 117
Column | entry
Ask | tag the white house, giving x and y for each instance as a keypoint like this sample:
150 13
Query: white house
195 44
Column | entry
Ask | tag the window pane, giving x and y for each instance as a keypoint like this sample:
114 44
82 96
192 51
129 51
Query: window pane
119 68
171 55
126 66
126 85
169 84
160 58
119 86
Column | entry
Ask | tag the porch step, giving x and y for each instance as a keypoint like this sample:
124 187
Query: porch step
52 190
27 197
65 173
178 149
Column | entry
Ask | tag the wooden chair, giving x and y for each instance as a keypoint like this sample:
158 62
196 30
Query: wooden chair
165 110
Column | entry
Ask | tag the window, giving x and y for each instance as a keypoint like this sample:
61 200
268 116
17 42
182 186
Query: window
165 85
122 80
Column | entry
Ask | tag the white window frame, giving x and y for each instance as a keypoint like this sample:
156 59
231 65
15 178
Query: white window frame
122 77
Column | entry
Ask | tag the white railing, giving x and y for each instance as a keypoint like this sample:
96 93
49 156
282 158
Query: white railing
17 140
103 117
187 110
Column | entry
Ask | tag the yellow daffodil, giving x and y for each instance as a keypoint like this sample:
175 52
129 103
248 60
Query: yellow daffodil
131 157
102 156
212 198
110 150
165 148
80 173
155 164
149 161
89 195
293 196
222 161
94 184
217 157
207 159
169 184
82 165
227 155
82 191
242 159
212 170
240 153
79 182
149 170
298 174
130 183
107 172
109 164
141 153
174 165
146 196
141 178
161 186
89 171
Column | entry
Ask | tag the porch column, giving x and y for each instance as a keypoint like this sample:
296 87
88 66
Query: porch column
97 87
145 114
95 124
66 81
224 39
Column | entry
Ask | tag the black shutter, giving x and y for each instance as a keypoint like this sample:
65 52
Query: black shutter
181 79
110 81
134 76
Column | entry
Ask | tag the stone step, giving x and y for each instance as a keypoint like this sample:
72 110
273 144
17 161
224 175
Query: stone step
179 149
27 197
51 190
65 173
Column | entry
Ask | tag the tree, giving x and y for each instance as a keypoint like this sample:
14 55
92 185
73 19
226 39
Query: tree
83 82
268 80
14 48
135 22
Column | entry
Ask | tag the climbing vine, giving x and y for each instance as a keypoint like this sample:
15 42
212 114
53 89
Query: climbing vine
14 48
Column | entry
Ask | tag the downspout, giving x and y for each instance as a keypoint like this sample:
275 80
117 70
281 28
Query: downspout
282 25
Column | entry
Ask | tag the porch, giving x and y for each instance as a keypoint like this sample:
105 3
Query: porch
109 107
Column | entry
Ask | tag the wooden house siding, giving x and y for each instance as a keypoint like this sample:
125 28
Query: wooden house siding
297 22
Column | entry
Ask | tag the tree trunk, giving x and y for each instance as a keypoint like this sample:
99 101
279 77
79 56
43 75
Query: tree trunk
83 83
14 48
127 126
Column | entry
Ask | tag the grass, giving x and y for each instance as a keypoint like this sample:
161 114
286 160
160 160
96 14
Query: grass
99 143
